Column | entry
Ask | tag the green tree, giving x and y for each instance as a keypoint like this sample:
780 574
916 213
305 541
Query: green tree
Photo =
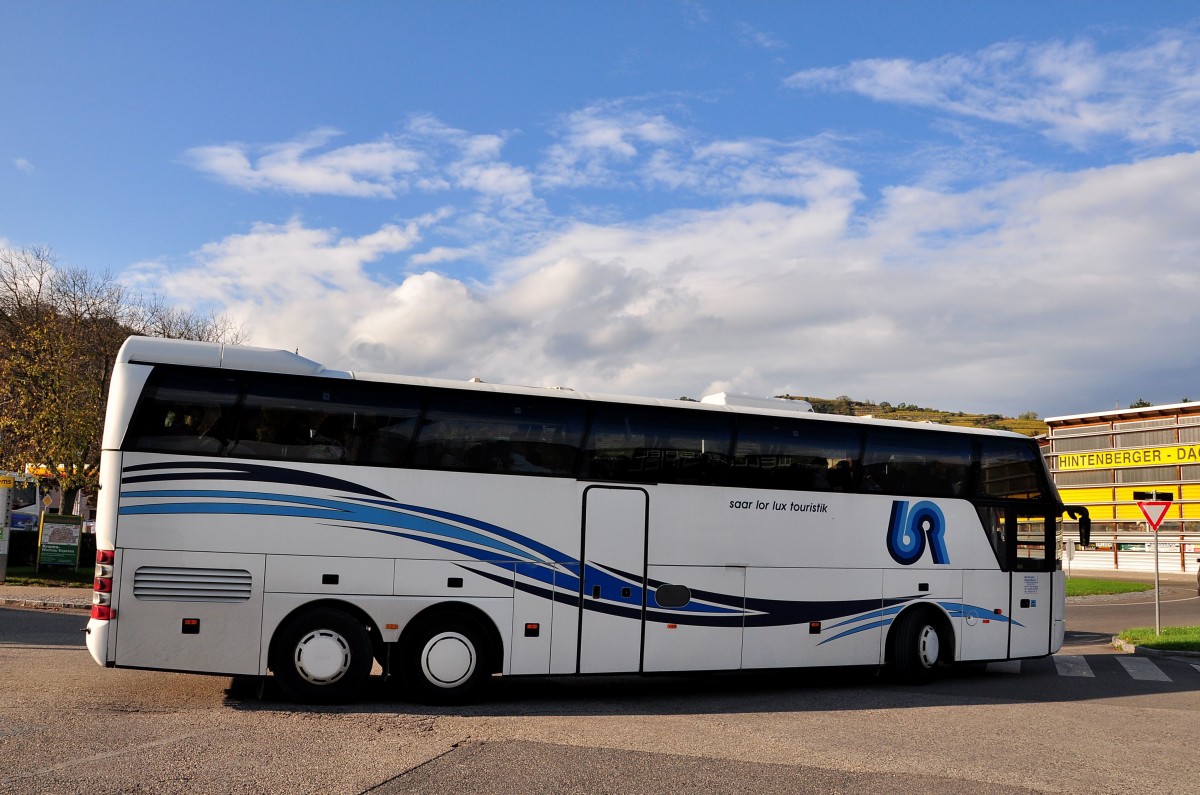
60 329
1140 404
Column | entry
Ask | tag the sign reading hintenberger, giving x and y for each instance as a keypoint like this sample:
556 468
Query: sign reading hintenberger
1131 457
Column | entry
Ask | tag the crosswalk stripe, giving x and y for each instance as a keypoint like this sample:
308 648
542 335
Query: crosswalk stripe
1072 665
1006 667
1142 669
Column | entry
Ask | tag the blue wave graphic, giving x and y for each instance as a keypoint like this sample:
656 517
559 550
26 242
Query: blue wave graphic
555 576
449 531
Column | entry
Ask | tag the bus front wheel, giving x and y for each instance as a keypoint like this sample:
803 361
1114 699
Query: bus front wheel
321 656
918 646
445 660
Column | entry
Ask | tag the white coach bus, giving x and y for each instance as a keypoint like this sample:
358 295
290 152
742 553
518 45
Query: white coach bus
260 513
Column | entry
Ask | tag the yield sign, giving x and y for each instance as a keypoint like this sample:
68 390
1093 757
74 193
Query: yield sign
1154 512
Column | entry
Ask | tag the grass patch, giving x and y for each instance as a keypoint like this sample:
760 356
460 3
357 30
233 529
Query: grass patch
1171 639
51 576
1084 586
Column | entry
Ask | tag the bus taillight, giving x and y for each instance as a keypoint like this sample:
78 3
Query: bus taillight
103 585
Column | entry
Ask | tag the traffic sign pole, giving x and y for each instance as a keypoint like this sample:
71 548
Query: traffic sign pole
6 487
1154 506
1157 593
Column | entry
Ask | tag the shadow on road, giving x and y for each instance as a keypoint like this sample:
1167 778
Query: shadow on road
793 690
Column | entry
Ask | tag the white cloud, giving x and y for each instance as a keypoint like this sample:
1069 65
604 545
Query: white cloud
603 146
597 143
371 170
289 285
970 300
1070 91
23 165
440 254
748 34
790 272
611 146
429 156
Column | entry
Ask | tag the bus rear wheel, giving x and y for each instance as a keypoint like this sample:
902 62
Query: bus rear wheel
321 656
445 660
918 646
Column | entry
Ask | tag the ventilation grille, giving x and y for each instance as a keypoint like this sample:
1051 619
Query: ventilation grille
176 584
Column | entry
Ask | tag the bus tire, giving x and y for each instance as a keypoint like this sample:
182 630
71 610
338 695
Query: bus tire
919 645
445 660
321 656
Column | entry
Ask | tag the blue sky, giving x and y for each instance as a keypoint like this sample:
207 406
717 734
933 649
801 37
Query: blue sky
985 207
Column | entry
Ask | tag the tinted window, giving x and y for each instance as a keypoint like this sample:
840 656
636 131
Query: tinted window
790 454
931 464
648 446
184 411
500 433
1010 469
324 420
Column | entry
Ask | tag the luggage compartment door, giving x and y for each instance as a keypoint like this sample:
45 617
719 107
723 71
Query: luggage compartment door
190 611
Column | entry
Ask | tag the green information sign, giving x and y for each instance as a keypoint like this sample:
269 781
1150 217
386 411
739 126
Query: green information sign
59 540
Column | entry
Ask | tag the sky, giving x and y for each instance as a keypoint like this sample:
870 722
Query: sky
983 207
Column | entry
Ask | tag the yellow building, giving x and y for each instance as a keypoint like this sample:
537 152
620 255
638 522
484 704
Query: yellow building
1101 459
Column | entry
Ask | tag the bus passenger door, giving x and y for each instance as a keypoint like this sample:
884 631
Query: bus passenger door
612 587
1032 555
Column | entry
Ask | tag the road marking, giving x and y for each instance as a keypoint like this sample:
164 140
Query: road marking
1127 604
1006 667
1072 665
1142 669
1196 666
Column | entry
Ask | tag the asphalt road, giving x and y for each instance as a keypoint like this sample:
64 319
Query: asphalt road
68 726
1179 606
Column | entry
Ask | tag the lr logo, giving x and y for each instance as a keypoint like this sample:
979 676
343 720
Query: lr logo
910 530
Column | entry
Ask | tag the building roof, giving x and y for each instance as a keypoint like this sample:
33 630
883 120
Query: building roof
1145 412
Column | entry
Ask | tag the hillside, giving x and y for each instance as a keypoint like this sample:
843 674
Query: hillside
1027 424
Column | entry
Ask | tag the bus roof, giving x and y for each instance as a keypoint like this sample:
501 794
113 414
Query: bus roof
156 350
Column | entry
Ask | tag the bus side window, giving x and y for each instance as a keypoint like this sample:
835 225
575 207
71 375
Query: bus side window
789 454
920 463
1009 469
326 420
183 411
500 433
648 446
369 424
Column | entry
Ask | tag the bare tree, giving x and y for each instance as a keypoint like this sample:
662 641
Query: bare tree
60 330
154 317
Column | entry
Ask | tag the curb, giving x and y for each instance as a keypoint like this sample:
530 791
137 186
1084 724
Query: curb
1142 651
43 604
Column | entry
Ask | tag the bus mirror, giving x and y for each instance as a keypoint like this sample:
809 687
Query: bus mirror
1085 523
